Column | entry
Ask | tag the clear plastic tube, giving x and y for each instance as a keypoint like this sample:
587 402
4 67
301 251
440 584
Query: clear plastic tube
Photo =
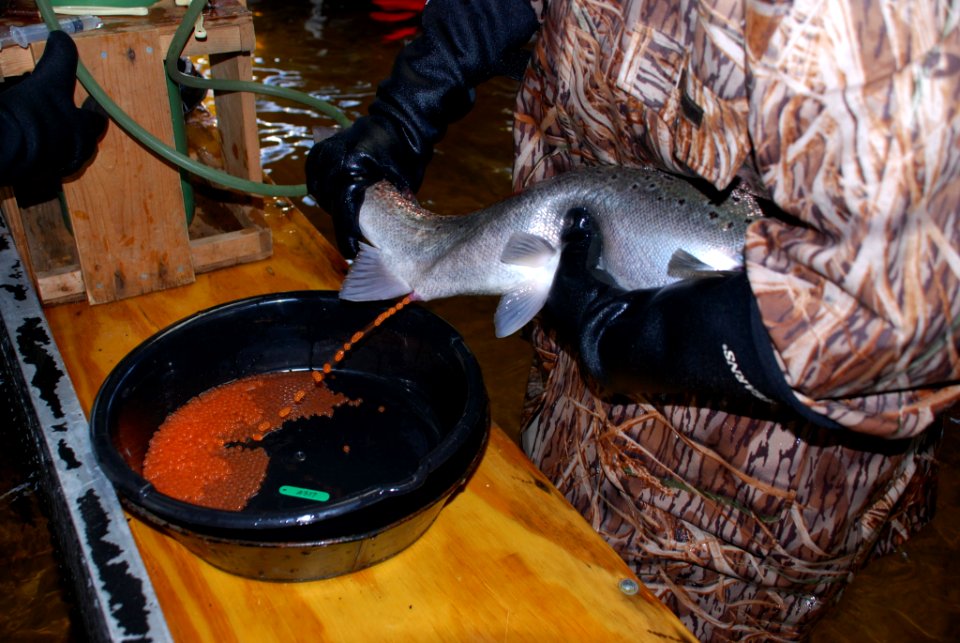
26 34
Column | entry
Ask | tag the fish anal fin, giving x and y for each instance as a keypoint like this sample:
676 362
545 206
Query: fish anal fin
369 278
525 249
517 307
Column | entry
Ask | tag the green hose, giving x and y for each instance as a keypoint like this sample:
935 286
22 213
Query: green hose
168 153
182 145
179 42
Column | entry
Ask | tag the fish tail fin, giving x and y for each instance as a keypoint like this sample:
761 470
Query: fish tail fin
369 278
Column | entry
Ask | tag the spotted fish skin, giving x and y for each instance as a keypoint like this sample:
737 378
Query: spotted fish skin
656 228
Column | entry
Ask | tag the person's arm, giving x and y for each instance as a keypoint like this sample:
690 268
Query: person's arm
858 290
462 44
43 134
699 336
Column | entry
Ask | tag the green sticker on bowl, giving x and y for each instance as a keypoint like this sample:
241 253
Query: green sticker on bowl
300 492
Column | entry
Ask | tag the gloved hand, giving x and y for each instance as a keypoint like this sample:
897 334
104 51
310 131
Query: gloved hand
462 44
702 336
43 134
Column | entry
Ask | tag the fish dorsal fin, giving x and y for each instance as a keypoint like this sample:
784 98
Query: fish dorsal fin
683 265
525 249
369 279
517 307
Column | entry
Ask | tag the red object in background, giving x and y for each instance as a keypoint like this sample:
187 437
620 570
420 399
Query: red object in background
399 11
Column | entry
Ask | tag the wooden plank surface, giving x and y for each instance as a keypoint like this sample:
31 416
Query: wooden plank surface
127 211
236 111
507 559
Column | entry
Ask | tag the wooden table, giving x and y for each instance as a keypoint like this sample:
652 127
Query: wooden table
507 559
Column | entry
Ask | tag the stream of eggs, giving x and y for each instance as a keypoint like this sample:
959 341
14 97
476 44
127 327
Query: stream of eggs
205 452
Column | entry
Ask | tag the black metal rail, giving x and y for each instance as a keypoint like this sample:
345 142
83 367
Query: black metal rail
110 584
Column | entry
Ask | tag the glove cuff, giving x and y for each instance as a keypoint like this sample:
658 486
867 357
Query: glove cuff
701 337
776 385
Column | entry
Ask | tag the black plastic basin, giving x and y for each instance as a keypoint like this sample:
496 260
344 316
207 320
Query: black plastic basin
385 493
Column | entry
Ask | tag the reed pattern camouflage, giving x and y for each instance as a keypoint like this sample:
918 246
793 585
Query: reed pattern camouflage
846 114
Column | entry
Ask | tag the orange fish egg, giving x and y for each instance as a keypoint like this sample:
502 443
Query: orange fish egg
189 458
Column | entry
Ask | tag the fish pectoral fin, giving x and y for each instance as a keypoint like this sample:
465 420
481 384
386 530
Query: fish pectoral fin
369 278
525 249
683 265
517 307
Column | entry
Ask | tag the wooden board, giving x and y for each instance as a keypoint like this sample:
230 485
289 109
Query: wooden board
127 211
507 559
236 111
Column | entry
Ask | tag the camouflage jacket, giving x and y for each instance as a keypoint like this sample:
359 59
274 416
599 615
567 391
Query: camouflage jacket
844 113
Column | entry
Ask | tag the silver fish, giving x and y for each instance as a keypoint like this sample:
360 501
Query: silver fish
655 228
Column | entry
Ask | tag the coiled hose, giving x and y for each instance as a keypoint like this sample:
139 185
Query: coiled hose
179 158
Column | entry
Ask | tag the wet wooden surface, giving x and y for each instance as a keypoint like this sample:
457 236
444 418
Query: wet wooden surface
507 559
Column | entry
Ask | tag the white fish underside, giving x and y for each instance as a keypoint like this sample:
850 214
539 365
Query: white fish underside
655 229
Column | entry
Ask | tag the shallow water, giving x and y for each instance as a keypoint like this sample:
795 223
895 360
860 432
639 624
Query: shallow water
339 54
33 604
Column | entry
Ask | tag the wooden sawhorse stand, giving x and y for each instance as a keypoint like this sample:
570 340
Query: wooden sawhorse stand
129 233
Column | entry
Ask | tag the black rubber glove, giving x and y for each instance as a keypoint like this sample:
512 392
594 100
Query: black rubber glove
462 44
701 336
45 136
